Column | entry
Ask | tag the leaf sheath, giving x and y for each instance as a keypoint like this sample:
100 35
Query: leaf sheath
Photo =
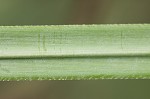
74 52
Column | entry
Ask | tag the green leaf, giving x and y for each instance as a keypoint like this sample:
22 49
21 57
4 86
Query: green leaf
75 52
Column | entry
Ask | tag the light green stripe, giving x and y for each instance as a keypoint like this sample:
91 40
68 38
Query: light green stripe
75 52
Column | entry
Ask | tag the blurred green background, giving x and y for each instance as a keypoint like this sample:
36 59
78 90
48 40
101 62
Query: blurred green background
47 12
56 12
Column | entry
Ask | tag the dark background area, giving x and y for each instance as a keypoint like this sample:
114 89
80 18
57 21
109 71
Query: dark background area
51 12
60 12
99 89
